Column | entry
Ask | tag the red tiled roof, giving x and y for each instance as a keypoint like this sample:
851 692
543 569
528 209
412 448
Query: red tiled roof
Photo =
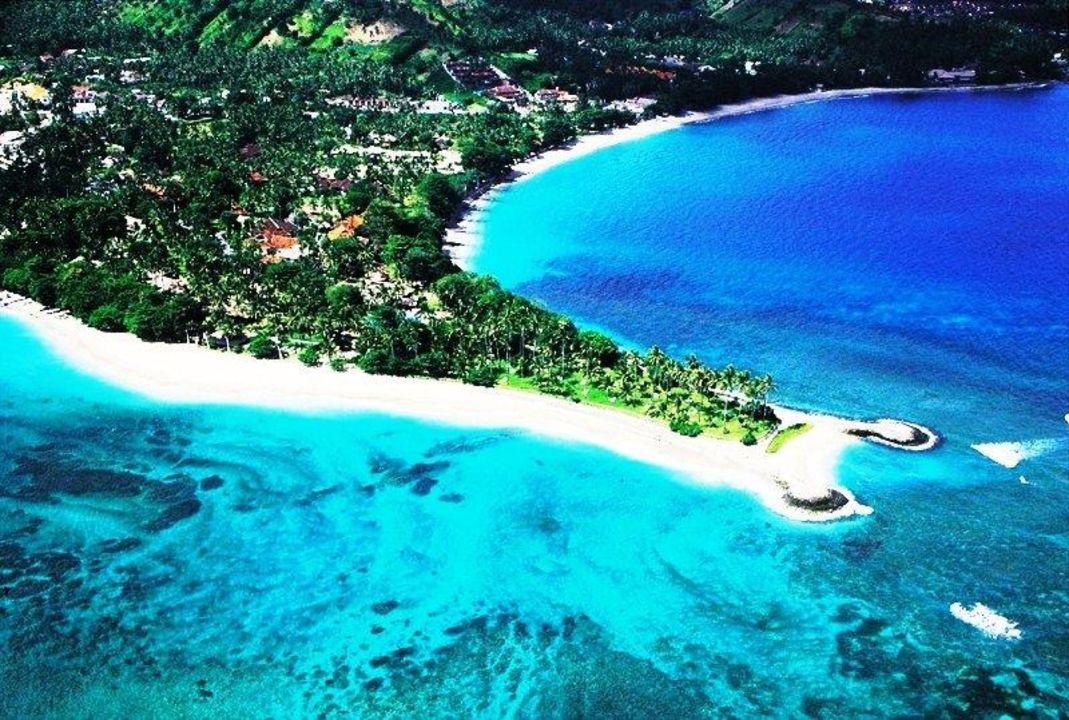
279 242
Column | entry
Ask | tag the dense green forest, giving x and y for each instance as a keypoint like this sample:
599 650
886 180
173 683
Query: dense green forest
276 176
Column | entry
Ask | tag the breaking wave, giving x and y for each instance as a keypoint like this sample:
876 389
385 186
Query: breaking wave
1011 454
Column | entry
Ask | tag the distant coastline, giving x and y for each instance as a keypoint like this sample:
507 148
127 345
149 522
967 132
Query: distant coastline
464 238
799 481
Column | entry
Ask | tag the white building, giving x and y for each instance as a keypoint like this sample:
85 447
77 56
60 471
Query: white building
10 142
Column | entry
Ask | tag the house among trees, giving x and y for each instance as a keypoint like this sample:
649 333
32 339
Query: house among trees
10 141
324 182
278 241
643 71
15 94
85 101
635 105
366 104
128 77
473 74
86 109
157 191
439 106
346 228
953 76
508 93
83 93
555 97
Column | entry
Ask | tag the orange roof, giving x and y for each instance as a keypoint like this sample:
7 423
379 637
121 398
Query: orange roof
346 228
640 70
275 227
279 242
155 190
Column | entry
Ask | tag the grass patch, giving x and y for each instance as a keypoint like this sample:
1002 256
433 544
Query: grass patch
781 16
581 392
437 81
437 14
305 24
333 35
786 434
587 394
514 63
217 28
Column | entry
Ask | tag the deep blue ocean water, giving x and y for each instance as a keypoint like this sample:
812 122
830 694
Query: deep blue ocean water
198 561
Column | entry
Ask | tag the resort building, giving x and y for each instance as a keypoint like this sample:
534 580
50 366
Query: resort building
474 74
439 106
555 97
17 93
952 77
635 106
278 241
508 93
346 228
366 104
10 141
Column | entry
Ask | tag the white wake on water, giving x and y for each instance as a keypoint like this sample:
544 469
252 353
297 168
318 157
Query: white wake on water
985 619
1011 454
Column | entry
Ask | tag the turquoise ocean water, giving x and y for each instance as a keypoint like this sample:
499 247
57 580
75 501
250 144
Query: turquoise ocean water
198 561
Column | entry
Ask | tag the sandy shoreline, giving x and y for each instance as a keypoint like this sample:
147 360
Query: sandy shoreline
463 239
805 469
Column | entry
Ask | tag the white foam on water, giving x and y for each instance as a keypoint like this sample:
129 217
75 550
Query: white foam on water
1010 454
986 620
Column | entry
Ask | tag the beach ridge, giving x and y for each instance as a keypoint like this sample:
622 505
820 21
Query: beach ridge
798 482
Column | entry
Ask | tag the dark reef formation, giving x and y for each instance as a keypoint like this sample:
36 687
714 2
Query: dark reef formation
915 437
830 502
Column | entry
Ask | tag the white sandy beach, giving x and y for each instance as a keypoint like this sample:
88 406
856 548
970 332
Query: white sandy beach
462 241
805 467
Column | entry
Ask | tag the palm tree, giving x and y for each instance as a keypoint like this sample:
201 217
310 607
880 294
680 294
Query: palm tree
657 365
761 388
728 378
628 378
695 374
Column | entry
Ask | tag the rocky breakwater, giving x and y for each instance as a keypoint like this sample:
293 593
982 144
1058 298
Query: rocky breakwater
806 467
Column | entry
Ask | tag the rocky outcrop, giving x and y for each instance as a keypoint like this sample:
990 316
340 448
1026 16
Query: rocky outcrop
828 503
897 434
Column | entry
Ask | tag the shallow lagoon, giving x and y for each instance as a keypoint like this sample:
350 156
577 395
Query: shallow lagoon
173 561
211 561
